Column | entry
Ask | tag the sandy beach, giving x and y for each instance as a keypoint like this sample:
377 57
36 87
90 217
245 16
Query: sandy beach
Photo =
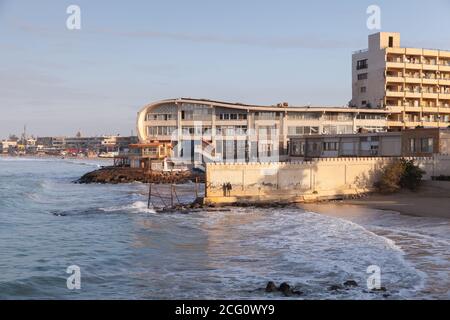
432 200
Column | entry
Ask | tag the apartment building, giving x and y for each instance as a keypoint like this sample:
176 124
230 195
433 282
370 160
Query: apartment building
412 84
230 132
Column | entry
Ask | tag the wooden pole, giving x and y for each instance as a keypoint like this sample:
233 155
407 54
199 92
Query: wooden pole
196 187
149 196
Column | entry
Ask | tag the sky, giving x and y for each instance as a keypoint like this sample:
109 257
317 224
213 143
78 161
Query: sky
127 54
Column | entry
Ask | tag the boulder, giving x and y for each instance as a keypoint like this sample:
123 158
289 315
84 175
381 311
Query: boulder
335 287
271 287
350 283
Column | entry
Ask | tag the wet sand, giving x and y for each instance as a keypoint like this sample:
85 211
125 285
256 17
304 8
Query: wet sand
432 200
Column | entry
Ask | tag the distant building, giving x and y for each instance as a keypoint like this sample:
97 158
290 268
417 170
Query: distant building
9 146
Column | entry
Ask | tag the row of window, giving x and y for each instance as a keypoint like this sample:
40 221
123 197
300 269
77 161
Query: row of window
304 116
206 131
293 131
160 130
231 130
370 116
337 129
267 115
161 116
338 116
421 145
233 116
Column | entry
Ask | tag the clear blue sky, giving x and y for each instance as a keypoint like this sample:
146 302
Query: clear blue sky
130 53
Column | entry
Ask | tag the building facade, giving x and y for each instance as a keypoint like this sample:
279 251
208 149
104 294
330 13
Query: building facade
412 84
406 143
385 144
225 132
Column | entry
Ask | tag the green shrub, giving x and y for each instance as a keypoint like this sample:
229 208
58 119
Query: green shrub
412 175
400 174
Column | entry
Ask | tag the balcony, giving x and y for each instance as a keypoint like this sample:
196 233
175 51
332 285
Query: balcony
430 80
413 66
444 96
433 67
413 94
412 79
444 82
395 124
395 64
429 95
444 68
395 109
395 94
430 109
413 108
412 124
395 79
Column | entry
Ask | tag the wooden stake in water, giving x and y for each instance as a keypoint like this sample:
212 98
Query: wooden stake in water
149 202
196 188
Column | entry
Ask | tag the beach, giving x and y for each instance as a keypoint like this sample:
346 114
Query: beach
431 200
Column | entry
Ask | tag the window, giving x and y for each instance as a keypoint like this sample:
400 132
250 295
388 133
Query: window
161 117
362 76
391 42
426 145
232 116
298 148
330 146
412 145
363 89
267 115
361 64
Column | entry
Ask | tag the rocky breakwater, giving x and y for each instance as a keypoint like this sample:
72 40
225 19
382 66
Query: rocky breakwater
115 175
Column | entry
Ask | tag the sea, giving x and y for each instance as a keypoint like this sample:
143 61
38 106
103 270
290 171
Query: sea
61 240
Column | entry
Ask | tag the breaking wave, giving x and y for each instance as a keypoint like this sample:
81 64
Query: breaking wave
135 207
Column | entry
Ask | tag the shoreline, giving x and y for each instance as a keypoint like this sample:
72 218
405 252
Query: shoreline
431 201
53 157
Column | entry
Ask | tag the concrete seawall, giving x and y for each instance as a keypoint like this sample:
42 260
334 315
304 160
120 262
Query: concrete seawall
329 178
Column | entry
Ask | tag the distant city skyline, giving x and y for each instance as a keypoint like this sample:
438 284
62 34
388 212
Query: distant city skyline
94 80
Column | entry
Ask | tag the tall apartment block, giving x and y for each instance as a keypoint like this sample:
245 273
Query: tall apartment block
412 84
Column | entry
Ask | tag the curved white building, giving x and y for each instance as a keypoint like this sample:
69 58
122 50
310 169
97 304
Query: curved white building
235 131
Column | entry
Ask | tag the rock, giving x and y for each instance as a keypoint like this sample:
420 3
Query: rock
382 289
271 287
128 175
297 292
335 287
386 295
350 283
285 288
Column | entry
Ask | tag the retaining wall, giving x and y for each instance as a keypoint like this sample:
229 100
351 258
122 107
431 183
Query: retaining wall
326 178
